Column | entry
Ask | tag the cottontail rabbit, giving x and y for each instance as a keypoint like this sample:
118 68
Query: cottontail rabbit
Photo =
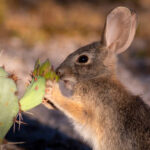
102 110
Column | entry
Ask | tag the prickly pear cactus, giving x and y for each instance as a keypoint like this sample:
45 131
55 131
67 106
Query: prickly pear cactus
9 104
36 90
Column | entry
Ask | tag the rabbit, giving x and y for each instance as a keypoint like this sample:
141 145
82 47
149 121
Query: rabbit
105 113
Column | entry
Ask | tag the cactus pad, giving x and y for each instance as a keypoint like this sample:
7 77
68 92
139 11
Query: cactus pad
36 91
34 94
8 103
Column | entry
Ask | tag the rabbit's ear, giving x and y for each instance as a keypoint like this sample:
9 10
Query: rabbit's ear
119 29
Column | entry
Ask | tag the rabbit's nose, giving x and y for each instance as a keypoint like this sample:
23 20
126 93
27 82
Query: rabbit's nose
60 72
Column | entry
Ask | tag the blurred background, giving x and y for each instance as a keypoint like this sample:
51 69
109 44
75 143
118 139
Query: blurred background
31 29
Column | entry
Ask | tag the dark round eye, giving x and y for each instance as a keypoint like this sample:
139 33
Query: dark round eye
83 59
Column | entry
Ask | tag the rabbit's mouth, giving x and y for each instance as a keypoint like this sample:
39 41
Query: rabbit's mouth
69 82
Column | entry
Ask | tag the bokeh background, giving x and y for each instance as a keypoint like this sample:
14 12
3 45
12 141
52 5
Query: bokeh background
31 29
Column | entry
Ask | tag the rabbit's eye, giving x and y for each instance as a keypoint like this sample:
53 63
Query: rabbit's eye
83 59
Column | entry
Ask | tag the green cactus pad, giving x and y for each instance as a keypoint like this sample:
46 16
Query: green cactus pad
36 91
8 103
34 94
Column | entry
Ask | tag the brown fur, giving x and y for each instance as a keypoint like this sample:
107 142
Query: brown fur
106 114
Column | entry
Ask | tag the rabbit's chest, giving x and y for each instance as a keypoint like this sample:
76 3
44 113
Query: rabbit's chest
87 134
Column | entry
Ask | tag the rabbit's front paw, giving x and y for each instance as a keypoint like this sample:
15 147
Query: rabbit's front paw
47 101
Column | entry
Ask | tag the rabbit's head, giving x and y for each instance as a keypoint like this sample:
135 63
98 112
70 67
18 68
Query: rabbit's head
98 58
